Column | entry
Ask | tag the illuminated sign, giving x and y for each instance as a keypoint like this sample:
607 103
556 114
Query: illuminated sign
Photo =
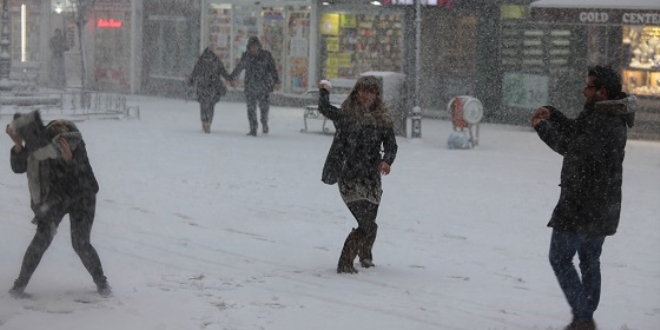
109 23
442 3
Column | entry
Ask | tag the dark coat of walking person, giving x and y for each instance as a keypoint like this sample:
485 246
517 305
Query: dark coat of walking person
60 181
355 162
261 78
589 206
58 45
206 79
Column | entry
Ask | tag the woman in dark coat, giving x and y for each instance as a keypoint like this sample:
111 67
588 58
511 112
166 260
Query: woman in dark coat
206 78
355 162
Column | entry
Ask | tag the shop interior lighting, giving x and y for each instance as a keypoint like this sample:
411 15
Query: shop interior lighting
376 3
23 33
326 3
58 7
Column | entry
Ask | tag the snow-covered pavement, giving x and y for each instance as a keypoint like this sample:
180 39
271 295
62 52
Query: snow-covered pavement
225 231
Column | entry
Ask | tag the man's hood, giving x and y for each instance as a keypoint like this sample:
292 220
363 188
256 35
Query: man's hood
623 107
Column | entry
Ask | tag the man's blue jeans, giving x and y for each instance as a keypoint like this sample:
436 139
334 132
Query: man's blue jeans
583 294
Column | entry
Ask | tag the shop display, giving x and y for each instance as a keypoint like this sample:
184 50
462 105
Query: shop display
361 43
528 48
219 30
284 31
641 73
298 50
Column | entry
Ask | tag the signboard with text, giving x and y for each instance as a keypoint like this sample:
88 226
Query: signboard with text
595 16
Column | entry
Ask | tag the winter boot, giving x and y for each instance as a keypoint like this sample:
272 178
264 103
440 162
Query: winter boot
104 289
207 127
581 325
252 132
349 252
17 291
367 243
265 128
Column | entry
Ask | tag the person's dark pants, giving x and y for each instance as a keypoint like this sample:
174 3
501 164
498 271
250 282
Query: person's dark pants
207 108
360 240
264 107
583 294
81 215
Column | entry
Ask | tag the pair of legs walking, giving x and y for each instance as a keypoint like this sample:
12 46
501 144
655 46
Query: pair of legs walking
207 109
81 215
360 240
582 292
264 107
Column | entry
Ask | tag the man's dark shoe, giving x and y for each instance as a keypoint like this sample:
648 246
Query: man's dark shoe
252 133
104 290
265 128
17 292
366 263
581 325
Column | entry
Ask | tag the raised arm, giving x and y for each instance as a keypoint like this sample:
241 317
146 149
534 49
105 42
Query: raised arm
325 107
557 131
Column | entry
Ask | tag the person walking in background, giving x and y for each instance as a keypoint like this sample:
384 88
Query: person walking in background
58 46
261 78
589 207
60 181
355 162
206 79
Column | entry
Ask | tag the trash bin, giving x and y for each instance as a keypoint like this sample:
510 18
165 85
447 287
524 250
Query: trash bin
394 92
466 113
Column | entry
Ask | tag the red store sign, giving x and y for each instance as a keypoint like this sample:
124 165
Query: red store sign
109 23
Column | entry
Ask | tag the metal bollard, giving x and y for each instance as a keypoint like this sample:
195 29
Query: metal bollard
416 121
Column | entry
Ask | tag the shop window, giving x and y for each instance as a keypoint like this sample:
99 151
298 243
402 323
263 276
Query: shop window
284 31
170 50
357 43
112 51
24 25
641 60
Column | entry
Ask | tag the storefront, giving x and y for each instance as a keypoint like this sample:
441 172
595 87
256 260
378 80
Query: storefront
170 46
626 35
110 46
284 27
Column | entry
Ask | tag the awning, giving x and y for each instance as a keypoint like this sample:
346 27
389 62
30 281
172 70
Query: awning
596 12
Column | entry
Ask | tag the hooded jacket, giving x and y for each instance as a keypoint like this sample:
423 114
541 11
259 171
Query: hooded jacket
50 179
207 77
593 147
260 70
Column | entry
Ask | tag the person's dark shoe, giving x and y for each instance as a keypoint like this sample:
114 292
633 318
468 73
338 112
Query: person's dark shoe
367 263
252 133
17 292
104 290
346 268
265 128
581 325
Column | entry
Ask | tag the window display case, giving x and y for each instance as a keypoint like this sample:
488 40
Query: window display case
282 30
641 67
356 43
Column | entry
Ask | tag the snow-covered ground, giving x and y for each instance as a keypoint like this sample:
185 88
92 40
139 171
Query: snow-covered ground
224 231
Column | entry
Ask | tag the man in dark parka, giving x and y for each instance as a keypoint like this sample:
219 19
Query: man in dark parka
589 207
261 78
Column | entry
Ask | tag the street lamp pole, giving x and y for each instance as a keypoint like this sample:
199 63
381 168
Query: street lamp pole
417 110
